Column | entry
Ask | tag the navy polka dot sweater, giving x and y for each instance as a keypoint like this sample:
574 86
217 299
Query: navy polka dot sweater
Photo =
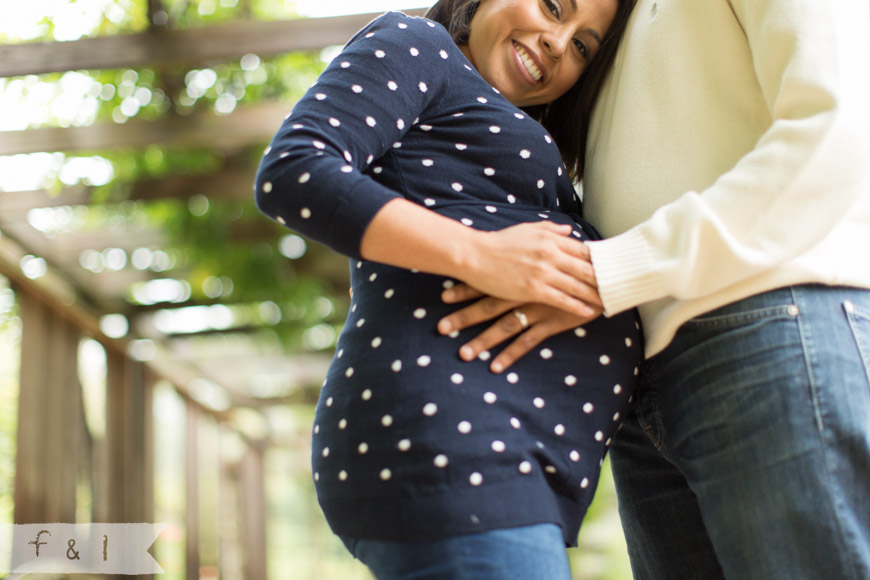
409 442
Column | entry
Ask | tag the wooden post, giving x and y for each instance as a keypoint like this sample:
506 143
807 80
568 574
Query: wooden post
252 509
192 507
49 417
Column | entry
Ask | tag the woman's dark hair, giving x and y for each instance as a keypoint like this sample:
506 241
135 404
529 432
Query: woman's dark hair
566 118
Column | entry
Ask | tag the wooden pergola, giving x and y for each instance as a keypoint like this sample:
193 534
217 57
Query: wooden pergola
55 451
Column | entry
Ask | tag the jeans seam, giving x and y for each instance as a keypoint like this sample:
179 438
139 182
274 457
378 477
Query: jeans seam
806 338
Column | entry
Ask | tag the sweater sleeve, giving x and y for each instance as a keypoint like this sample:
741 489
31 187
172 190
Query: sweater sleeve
804 175
313 177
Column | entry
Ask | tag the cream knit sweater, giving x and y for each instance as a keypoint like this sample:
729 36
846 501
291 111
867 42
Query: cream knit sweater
729 154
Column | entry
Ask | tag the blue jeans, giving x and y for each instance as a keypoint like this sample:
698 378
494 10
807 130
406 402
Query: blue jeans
748 453
528 553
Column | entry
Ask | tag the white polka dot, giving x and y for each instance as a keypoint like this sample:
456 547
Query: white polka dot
392 86
396 366
559 172
320 96
347 169
267 187
464 427
512 378
482 100
443 54
599 436
386 474
515 423
319 145
456 378
628 342
349 372
304 177
461 146
389 293
429 202
420 313
423 88
617 416
342 475
475 479
580 332
490 397
454 334
316 476
427 163
525 467
511 198
519 116
585 483
570 380
400 124
425 127
588 408
371 122
430 409
541 184
548 139
525 153
345 64
366 395
370 34
329 401
380 53
283 154
605 360
325 452
363 448
360 322
484 355
424 360
550 469
617 389
402 25
357 89
539 402
498 446
489 171
376 342
305 213
404 444
495 129
386 420
559 429
440 461
467 222
281 221
575 456
456 186
342 424
334 122
377 170
316 429
546 353
414 51
491 209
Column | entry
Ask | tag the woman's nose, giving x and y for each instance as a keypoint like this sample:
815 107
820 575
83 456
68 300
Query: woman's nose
553 43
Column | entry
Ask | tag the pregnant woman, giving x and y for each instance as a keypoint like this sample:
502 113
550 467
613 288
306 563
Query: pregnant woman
419 154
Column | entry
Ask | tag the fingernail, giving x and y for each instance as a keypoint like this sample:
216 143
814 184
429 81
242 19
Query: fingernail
444 327
466 352
497 367
447 295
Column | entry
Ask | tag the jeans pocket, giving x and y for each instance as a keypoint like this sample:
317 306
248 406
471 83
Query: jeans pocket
859 322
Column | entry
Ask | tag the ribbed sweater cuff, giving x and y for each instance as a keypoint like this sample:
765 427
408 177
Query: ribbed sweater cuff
623 269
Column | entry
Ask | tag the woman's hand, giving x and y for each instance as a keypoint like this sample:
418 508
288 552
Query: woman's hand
529 325
534 262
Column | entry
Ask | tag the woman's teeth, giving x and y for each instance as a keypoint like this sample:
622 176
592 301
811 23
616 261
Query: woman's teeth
527 61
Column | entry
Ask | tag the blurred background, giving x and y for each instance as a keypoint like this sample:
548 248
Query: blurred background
162 344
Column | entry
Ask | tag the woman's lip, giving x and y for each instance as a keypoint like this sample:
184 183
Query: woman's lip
534 58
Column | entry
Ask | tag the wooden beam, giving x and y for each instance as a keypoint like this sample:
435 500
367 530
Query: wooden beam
162 47
246 126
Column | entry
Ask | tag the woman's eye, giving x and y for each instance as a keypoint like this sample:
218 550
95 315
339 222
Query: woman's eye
552 7
581 46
